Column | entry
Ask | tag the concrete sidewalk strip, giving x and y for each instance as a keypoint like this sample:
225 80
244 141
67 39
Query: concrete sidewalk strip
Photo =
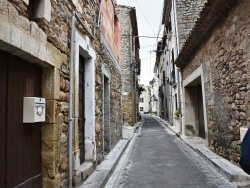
230 171
103 171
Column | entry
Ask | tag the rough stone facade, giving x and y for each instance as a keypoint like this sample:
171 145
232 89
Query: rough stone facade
128 55
226 71
46 42
187 13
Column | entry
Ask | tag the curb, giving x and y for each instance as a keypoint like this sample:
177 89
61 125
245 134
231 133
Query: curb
100 177
121 166
103 171
228 170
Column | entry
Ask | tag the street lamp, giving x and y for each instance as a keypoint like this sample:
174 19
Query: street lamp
135 65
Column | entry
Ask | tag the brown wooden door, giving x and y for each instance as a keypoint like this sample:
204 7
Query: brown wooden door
3 108
81 120
200 113
22 149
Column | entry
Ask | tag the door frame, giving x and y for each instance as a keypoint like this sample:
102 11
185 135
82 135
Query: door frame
106 109
83 48
195 74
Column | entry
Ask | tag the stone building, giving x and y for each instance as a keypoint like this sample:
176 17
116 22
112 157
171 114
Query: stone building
178 20
144 102
72 59
154 96
208 42
215 66
130 63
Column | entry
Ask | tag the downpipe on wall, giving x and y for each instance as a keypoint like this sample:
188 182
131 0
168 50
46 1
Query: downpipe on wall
179 96
178 70
72 49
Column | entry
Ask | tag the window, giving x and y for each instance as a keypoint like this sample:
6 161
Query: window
141 109
142 100
173 66
163 77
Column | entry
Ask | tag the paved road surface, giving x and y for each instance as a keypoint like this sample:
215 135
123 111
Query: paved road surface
160 160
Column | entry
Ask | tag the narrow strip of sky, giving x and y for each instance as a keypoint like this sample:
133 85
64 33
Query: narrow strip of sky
145 17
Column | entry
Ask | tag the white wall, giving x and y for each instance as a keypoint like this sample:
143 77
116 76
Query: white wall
146 98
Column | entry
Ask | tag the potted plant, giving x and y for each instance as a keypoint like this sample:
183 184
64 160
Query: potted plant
176 113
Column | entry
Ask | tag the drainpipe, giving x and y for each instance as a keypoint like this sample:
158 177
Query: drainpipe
72 48
179 97
99 15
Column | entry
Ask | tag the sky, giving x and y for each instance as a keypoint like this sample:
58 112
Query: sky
149 15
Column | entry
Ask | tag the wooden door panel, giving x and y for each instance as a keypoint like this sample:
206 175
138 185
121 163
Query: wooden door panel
23 140
3 106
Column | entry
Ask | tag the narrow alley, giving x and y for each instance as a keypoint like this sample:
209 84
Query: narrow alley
124 93
159 159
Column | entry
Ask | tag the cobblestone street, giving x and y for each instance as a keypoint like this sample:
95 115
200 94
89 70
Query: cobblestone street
159 159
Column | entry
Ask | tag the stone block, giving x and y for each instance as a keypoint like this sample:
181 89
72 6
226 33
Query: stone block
42 52
42 37
26 2
51 83
64 59
24 24
34 47
76 134
44 10
78 6
64 96
15 36
64 163
4 10
64 107
25 42
34 31
52 182
50 137
50 164
53 56
51 111
12 14
5 31
98 128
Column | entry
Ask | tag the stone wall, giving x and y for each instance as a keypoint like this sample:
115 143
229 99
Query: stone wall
187 13
47 43
226 69
127 58
115 102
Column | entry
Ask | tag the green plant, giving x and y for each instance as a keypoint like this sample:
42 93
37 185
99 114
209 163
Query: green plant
176 113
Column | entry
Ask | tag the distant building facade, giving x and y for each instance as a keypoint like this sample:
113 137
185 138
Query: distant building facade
154 96
131 63
144 101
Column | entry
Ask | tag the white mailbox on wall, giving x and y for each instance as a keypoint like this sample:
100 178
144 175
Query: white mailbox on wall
33 109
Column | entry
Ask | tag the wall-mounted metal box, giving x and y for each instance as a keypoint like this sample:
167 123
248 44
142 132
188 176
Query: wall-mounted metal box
33 109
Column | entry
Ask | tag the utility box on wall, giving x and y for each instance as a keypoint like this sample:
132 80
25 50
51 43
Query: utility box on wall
33 109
